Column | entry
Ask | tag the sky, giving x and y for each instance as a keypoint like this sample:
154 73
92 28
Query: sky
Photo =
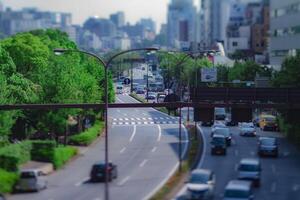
82 9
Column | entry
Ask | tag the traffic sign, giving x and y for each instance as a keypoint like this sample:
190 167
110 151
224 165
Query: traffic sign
209 74
126 81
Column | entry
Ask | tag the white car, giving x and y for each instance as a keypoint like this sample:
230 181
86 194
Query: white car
247 129
31 180
217 125
201 185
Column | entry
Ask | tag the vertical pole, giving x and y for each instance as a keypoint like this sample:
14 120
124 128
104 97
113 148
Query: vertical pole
147 81
196 133
106 137
66 134
179 147
131 78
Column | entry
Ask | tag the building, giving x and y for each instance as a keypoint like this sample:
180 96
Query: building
118 19
101 27
284 31
181 27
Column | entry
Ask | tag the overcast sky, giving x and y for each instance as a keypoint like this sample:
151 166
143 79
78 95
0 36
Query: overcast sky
82 9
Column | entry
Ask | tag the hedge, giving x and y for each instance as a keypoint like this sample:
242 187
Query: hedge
43 150
88 136
7 181
63 155
13 155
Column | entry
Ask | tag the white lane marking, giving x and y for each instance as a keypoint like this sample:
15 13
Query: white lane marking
296 187
154 149
114 119
236 152
132 119
126 119
145 122
82 181
138 118
114 123
161 118
121 119
97 198
139 122
122 150
143 163
132 123
126 123
120 123
120 100
124 181
155 118
236 167
204 147
164 122
150 118
159 133
143 118
273 187
273 169
133 133
151 122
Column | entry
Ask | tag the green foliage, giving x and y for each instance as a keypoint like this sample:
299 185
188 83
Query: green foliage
7 181
43 150
15 154
63 155
88 136
244 71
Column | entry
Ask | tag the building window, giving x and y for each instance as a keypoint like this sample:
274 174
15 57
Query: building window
234 44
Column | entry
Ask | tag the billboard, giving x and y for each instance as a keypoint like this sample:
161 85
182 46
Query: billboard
209 74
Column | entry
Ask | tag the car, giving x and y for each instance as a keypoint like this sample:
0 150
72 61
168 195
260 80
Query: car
150 96
267 146
140 90
268 122
120 89
239 190
2 197
201 184
31 180
217 125
250 169
220 113
247 129
225 132
218 145
161 98
98 172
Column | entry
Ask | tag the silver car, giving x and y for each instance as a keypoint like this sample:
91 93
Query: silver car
250 169
247 129
31 180
238 190
201 184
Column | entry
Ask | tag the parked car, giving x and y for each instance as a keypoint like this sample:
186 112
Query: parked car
247 129
201 184
267 146
239 190
2 197
225 132
217 125
268 122
220 113
98 172
218 144
150 96
31 180
250 169
140 90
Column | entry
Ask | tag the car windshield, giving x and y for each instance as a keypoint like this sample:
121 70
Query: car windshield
218 141
199 178
247 167
268 141
247 126
222 131
220 111
236 193
270 119
27 175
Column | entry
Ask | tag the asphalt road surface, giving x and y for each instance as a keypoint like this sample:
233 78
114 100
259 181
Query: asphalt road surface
144 145
280 178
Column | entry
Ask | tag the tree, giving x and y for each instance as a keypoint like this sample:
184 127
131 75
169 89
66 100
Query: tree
244 71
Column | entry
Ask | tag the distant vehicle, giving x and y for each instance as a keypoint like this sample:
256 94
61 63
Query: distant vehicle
247 129
120 89
267 146
217 125
268 122
161 98
98 172
238 190
220 113
135 86
225 132
140 90
201 184
250 169
121 78
2 197
31 181
218 144
151 96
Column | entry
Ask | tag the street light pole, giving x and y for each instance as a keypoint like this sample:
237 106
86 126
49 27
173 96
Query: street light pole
106 65
147 82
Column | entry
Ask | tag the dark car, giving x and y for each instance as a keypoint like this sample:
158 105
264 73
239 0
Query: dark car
225 132
218 144
98 172
267 146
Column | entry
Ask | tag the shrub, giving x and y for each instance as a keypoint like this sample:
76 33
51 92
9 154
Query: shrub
13 155
43 150
88 136
63 155
7 181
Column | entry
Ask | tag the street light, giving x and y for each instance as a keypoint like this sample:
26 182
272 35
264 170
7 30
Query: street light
106 65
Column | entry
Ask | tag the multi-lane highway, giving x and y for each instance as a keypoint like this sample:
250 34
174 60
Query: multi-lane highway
280 176
144 145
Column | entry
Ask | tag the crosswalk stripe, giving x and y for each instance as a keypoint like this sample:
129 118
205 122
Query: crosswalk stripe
121 119
145 122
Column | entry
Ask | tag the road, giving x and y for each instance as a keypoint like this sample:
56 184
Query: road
280 176
144 145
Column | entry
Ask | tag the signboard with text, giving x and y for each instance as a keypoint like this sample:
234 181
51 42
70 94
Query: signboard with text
209 74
